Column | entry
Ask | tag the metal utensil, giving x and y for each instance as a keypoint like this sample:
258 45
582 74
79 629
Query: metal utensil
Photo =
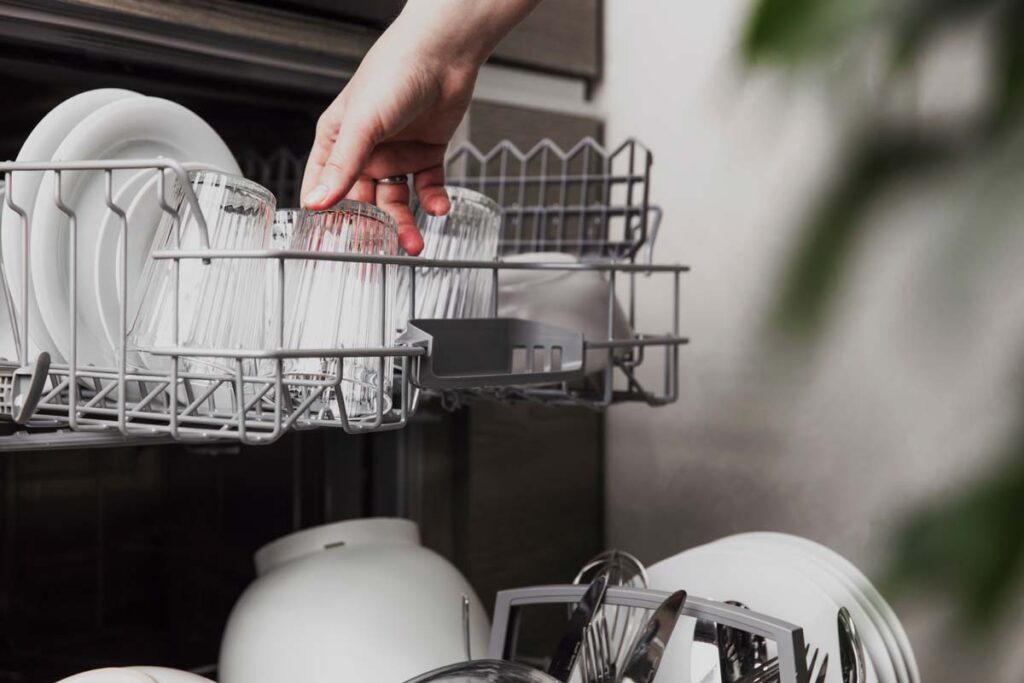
564 660
851 649
647 652
465 628
769 671
739 652
596 662
622 623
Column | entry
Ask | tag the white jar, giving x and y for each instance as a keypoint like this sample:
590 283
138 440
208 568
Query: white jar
359 600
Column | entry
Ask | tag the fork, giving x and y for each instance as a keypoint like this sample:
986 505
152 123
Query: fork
596 663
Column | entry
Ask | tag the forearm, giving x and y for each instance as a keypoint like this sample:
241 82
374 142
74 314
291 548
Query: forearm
465 31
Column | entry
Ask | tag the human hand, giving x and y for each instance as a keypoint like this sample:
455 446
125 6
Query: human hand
401 108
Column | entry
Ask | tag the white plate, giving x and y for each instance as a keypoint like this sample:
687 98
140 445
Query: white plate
881 660
141 128
761 583
139 197
871 596
40 145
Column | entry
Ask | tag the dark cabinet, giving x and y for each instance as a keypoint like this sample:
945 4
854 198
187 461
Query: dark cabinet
560 35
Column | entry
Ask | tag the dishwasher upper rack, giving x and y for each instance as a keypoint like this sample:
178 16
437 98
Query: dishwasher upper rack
234 404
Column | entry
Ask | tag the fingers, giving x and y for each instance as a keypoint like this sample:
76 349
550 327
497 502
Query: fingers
343 165
394 199
318 154
429 185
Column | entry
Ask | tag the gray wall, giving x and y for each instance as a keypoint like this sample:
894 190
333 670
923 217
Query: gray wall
912 385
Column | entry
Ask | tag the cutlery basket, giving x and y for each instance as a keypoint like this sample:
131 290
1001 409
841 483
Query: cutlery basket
577 202
788 638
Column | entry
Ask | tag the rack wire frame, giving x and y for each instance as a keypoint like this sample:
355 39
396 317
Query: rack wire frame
788 638
589 200
188 405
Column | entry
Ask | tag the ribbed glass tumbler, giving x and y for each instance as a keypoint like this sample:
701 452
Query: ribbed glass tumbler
342 305
220 303
468 232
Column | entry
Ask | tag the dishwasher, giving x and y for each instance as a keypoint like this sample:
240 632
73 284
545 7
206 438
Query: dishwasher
130 515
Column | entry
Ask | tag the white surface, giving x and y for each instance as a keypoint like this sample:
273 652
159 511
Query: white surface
762 583
378 610
874 602
139 197
882 663
581 303
547 92
139 128
41 145
162 674
350 532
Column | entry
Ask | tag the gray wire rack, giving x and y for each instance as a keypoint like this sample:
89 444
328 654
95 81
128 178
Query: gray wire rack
187 405
788 638
588 200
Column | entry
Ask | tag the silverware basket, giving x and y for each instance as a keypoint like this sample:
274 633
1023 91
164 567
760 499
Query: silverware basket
708 614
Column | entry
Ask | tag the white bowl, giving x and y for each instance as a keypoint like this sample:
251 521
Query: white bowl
357 600
571 299
136 674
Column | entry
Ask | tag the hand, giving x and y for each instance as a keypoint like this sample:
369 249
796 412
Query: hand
395 117
401 108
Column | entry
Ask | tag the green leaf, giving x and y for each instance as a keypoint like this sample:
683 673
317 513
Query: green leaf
970 545
1008 100
793 30
831 234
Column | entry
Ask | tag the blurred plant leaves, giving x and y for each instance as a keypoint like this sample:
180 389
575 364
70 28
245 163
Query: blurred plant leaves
793 30
883 158
970 544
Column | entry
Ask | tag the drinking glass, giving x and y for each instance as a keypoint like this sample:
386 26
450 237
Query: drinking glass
468 232
343 304
219 304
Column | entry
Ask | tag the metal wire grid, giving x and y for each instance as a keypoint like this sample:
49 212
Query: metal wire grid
189 405
589 201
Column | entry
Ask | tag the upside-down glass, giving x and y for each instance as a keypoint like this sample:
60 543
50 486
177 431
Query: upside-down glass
220 302
343 305
468 232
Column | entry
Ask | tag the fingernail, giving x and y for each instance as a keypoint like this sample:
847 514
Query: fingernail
316 195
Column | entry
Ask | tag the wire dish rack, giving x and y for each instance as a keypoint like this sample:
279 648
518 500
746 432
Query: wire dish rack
587 202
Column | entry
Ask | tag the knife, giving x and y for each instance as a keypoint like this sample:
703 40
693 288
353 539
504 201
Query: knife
569 647
647 652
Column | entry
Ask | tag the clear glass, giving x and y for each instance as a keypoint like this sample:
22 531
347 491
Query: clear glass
468 232
219 302
343 305
282 232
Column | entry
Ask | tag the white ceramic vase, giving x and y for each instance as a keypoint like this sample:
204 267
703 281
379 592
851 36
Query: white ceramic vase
359 600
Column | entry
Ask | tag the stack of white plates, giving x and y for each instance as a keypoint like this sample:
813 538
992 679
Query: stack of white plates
97 125
793 579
